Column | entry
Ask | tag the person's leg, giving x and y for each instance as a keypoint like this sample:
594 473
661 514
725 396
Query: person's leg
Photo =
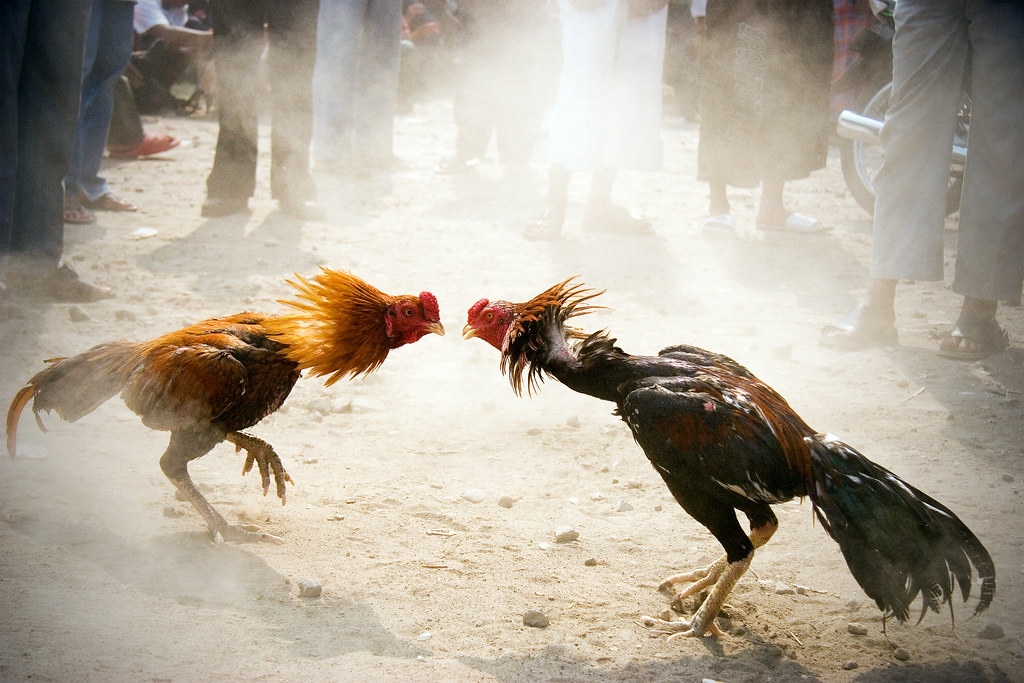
73 177
378 84
48 96
929 64
990 243
237 45
602 215
549 226
292 32
14 16
335 78
930 52
109 54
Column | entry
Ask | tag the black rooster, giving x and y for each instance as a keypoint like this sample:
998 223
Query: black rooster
725 441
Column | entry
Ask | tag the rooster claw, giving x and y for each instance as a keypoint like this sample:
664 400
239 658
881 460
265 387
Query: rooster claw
244 533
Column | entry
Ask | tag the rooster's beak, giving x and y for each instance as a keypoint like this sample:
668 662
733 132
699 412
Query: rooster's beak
468 332
436 328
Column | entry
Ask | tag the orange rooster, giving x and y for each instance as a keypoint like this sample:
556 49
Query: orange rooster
209 381
726 442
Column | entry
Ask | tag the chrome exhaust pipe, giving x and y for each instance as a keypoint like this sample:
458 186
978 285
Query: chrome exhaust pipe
854 126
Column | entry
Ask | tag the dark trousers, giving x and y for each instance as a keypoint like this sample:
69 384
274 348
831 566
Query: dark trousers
41 49
238 41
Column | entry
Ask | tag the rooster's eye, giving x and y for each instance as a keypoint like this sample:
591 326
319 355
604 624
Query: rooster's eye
489 316
408 313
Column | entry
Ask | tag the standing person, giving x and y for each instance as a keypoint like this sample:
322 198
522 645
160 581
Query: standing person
168 40
939 44
607 114
238 42
502 81
41 49
765 104
355 87
108 48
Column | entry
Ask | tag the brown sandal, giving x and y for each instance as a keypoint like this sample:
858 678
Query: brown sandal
111 202
76 213
974 341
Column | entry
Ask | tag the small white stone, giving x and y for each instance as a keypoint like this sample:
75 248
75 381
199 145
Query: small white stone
474 496
309 588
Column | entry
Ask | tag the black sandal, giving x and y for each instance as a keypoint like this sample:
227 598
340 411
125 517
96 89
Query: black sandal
972 340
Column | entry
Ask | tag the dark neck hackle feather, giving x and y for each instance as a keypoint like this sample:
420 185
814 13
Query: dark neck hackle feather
535 322
337 328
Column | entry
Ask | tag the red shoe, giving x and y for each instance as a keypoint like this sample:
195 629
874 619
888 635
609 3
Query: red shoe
151 144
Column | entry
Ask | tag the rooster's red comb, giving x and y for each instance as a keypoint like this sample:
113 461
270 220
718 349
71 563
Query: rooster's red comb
430 307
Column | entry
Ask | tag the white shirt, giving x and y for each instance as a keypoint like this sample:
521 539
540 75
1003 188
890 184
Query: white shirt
150 13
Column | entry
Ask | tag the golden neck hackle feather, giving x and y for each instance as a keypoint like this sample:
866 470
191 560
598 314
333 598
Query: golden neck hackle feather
337 328
562 301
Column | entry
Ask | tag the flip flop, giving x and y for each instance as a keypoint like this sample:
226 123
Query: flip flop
798 223
721 222
859 329
76 213
151 144
616 220
111 202
980 340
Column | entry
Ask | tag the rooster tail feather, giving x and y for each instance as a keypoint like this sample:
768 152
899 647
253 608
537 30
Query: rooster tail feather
21 399
74 387
898 542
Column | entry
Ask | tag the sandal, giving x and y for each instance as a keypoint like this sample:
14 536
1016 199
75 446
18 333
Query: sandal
797 222
861 328
76 213
724 223
972 340
615 219
151 144
111 202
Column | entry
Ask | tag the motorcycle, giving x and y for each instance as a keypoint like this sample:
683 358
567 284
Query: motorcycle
860 149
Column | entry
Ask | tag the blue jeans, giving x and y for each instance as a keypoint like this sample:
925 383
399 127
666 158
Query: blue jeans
355 85
238 41
938 43
108 48
41 46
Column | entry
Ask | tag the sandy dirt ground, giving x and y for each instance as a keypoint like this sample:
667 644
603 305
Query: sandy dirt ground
106 576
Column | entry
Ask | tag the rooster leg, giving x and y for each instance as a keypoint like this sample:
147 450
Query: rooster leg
263 454
699 579
724 575
185 447
702 578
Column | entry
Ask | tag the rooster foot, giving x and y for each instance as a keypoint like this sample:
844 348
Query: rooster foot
699 579
695 628
261 453
244 533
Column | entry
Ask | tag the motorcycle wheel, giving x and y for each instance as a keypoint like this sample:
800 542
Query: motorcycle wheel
861 161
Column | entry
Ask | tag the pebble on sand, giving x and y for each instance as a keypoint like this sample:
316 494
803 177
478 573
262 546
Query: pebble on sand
308 588
857 629
535 618
991 631
474 496
566 534
506 501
